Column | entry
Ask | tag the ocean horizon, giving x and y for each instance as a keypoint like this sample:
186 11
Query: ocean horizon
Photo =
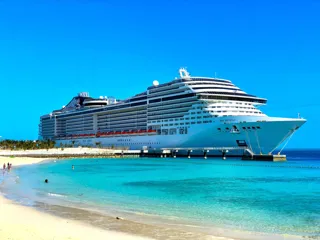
202 195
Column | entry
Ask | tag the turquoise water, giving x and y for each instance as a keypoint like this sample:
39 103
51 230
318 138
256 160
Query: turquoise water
267 197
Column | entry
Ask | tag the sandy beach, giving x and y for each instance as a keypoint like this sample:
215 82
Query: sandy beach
20 222
18 161
57 151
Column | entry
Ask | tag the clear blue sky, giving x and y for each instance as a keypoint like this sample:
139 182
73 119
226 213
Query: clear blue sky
51 50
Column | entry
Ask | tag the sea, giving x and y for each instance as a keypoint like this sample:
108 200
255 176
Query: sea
228 198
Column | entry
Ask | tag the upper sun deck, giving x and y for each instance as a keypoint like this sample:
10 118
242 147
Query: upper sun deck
204 87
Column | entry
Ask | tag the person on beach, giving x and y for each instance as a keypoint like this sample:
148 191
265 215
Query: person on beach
4 166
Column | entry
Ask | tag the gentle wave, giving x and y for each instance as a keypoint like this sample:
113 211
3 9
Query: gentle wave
56 195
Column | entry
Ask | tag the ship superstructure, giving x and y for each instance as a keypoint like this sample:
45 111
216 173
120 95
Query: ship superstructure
189 112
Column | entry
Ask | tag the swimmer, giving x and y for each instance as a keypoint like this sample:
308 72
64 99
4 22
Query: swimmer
46 181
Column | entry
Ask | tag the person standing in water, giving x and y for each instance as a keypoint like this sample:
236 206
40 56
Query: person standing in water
72 167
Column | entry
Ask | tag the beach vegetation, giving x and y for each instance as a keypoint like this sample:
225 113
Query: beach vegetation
9 144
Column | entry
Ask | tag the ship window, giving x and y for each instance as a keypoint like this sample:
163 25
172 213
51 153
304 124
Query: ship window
219 129
193 118
181 123
199 122
227 128
172 131
249 128
192 122
258 127
253 127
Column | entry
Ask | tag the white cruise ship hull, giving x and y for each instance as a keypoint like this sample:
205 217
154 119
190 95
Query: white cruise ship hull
261 135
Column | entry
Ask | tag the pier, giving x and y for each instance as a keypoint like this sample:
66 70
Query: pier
214 152
225 153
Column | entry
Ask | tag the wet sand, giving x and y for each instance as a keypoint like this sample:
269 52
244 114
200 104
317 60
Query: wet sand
25 223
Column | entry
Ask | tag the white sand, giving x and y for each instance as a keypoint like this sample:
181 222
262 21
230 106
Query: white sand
56 151
17 161
20 222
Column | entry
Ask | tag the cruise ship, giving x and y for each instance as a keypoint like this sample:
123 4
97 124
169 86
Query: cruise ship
187 112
